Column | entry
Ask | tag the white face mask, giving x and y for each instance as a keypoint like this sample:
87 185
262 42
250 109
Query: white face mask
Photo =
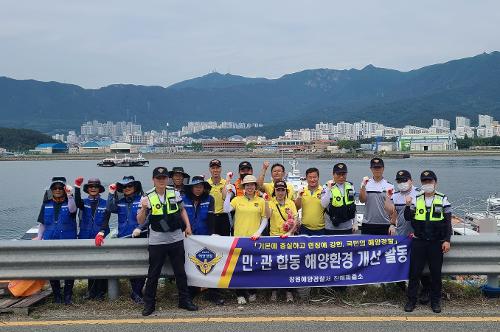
427 188
404 186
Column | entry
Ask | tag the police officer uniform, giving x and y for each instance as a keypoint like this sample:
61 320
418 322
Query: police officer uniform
431 220
340 208
165 239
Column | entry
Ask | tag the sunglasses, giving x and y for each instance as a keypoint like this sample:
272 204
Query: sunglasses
280 189
92 186
57 188
129 186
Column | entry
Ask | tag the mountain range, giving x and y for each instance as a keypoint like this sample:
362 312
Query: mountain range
468 87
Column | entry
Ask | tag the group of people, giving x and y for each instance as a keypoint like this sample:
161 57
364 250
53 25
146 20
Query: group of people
248 207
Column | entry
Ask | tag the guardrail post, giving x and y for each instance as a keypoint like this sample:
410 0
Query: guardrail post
492 280
113 289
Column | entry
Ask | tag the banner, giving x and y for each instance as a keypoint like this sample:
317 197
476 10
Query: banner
299 261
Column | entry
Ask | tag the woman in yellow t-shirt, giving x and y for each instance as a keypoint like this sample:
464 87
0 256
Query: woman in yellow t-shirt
250 220
283 214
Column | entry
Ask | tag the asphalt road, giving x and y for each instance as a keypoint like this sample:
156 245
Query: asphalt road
250 324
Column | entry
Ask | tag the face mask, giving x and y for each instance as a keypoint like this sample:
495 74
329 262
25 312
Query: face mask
428 188
404 186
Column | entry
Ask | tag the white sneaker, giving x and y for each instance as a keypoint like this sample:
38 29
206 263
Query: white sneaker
252 298
274 296
241 300
289 297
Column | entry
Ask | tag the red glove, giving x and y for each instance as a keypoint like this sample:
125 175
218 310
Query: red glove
265 196
229 175
112 188
390 191
283 236
78 181
99 240
254 237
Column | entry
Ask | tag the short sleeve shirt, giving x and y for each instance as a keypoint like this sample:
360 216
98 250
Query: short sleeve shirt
375 200
280 215
248 214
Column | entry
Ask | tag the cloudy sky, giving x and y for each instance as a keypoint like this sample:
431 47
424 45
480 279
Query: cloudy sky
94 43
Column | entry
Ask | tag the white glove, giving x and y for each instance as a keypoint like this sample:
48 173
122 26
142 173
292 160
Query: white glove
136 232
365 181
392 230
408 200
112 188
355 226
329 183
145 202
68 189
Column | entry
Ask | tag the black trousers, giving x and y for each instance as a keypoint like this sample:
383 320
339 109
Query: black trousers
425 252
56 287
97 287
157 256
338 232
222 225
375 229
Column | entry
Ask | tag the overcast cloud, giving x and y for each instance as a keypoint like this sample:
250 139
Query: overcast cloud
97 43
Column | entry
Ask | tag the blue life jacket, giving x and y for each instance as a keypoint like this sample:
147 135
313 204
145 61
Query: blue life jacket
64 227
127 214
198 216
91 224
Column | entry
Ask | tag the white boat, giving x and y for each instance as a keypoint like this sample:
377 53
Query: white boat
294 177
126 161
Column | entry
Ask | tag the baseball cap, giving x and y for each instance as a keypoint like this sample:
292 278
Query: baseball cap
403 175
160 171
280 184
340 168
428 175
215 163
244 164
376 162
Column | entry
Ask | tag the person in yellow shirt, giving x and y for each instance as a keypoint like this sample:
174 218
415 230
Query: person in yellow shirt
221 220
250 220
309 199
277 174
283 216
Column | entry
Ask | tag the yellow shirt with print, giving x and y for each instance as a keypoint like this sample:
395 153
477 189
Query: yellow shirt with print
277 220
248 214
312 211
269 188
216 192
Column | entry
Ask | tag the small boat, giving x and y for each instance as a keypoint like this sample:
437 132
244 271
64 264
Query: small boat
294 177
108 162
126 161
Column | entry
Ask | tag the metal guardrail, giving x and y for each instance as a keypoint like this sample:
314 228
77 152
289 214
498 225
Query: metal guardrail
127 258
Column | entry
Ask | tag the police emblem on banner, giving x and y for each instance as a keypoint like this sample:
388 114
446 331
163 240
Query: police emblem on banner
205 260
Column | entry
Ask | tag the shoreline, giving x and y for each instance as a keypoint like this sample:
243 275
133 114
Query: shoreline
253 155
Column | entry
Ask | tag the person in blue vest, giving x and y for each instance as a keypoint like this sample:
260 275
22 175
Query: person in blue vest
92 215
199 205
124 199
57 220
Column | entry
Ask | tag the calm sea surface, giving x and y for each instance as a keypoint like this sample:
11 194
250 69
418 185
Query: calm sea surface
466 181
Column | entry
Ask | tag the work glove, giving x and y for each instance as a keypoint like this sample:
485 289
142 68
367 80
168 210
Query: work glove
112 188
229 175
136 232
255 236
266 197
68 189
365 181
355 226
392 230
390 192
301 191
144 202
99 239
329 184
408 200
78 181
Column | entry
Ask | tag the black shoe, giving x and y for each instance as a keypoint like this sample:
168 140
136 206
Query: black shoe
410 306
148 310
189 306
424 297
436 307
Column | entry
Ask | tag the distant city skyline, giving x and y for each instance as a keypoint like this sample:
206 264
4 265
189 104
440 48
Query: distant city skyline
95 44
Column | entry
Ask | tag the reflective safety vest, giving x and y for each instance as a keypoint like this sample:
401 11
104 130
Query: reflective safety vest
433 213
428 222
164 217
127 214
198 215
64 227
91 223
338 199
